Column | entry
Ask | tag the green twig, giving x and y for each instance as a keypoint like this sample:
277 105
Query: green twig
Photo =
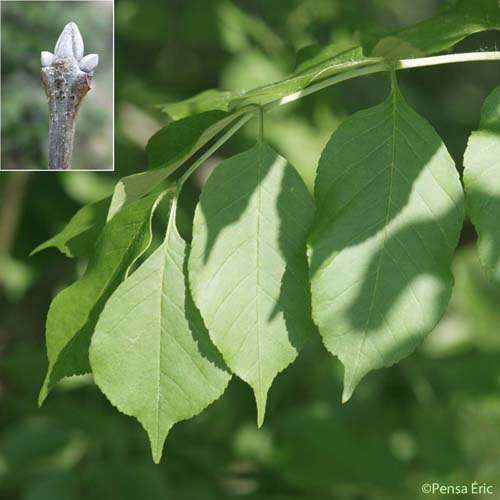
215 146
378 67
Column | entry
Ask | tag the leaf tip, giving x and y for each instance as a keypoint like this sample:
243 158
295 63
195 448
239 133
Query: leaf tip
351 380
261 399
260 419
157 449
346 394
157 439
157 453
42 396
50 244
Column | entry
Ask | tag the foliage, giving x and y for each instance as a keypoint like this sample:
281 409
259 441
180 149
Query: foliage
389 210
389 214
78 236
481 183
150 352
456 21
411 423
313 63
248 266
74 312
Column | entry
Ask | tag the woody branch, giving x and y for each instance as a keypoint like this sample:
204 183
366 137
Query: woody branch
67 77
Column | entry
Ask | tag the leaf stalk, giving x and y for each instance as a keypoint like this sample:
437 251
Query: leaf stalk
379 67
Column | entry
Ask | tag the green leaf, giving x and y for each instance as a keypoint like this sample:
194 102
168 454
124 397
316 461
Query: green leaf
312 55
207 100
321 61
170 145
472 316
318 65
151 354
482 184
79 235
389 214
133 187
74 311
441 32
167 150
313 63
248 269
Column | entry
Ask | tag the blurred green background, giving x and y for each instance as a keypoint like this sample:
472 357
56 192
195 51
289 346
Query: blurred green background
433 417
28 27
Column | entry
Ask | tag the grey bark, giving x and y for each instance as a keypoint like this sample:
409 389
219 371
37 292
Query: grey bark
66 77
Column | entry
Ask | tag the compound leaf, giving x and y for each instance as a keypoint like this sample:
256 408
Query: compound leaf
78 237
389 214
74 311
482 184
151 354
248 268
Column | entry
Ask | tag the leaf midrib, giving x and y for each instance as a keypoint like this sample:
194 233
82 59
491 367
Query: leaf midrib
384 237
257 258
103 288
162 305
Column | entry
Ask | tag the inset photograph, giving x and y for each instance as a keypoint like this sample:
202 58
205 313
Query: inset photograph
57 85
